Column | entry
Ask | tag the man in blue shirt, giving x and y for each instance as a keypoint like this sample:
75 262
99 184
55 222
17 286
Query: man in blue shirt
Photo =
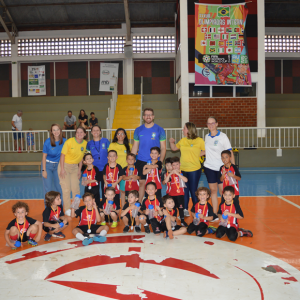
147 136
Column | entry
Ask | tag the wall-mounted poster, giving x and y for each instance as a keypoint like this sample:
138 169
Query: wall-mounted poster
108 76
36 81
221 56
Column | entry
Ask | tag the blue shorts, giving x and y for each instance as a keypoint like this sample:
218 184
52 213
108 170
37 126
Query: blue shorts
212 176
122 185
18 135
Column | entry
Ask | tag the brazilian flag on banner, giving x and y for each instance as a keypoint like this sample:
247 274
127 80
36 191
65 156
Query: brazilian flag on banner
223 12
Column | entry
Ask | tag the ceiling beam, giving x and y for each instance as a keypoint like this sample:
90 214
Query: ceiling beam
3 20
127 19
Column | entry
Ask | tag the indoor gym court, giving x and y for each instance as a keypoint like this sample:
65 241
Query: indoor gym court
150 267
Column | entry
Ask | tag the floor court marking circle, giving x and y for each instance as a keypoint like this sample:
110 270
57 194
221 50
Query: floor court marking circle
148 266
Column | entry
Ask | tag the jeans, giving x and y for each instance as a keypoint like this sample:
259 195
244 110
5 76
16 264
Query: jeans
51 183
191 186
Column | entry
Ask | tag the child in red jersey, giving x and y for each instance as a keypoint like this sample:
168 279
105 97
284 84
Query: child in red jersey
53 216
168 165
112 175
177 181
22 228
157 205
88 218
153 171
131 181
229 213
113 213
205 211
92 177
168 225
126 215
230 175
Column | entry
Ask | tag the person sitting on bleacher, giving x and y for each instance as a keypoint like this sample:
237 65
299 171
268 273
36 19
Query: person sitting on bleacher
69 121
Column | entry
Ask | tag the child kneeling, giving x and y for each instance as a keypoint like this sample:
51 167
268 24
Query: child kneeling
128 210
88 218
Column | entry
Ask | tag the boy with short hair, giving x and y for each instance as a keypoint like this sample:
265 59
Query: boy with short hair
112 175
93 121
177 190
157 205
126 215
131 181
153 171
110 195
88 218
22 229
93 177
206 213
229 172
168 225
168 165
53 216
231 209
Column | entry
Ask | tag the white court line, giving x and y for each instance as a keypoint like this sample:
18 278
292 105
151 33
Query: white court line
286 200
269 170
4 201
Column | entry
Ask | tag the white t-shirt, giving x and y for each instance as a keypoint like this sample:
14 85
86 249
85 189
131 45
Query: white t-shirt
214 145
18 122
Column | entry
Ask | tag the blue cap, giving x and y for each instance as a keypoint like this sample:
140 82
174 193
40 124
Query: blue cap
149 162
131 169
84 175
225 217
110 202
78 196
150 206
17 244
229 171
137 204
61 224
197 215
109 185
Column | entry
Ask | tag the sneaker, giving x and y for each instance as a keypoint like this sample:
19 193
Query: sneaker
186 213
170 234
59 235
166 235
114 225
100 238
183 223
126 229
47 237
211 229
137 229
147 229
68 212
33 243
103 223
246 232
214 220
87 241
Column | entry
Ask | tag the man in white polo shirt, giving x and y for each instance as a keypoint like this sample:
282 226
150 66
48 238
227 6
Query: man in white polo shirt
16 123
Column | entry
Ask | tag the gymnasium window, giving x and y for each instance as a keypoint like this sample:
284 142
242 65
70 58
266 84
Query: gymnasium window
282 43
5 48
153 44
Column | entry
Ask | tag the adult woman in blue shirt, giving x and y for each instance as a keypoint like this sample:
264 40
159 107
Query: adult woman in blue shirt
51 156
98 147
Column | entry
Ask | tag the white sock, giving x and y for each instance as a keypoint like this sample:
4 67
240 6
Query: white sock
103 233
80 236
241 233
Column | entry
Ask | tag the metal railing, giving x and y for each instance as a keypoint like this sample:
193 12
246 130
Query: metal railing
112 108
240 137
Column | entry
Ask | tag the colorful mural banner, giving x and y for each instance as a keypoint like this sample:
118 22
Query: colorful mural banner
221 56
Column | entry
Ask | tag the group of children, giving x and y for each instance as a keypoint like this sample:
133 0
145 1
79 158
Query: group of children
156 211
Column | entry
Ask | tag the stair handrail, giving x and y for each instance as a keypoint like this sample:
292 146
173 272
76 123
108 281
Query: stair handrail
141 118
112 107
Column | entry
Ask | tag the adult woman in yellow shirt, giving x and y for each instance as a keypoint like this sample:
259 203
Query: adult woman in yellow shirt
121 144
69 168
191 148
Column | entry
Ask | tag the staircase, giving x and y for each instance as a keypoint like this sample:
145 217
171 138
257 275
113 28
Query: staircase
128 112
282 110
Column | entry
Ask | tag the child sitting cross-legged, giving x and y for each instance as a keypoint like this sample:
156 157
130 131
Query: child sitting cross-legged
130 213
22 228
88 218
205 214
168 225
54 218
110 208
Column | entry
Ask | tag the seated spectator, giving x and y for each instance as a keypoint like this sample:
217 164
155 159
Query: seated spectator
93 120
69 121
83 119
